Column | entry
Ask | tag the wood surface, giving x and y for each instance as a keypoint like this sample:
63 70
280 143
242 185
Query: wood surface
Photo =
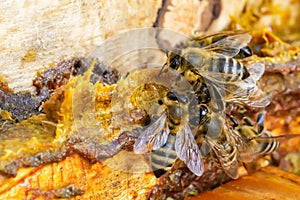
36 34
268 183
96 181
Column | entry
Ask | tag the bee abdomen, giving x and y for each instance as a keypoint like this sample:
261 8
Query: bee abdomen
268 147
231 66
236 67
164 156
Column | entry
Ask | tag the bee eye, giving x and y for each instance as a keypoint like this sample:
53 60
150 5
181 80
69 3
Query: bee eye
246 51
172 96
174 64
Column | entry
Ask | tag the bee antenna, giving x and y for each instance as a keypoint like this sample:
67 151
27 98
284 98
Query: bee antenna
248 121
278 137
161 70
260 122
233 120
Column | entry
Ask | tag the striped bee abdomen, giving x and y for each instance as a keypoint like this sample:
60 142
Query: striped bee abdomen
227 65
267 147
164 156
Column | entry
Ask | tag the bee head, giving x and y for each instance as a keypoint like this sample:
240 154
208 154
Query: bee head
173 60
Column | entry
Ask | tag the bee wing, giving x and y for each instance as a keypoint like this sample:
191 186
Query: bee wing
256 99
230 169
241 91
199 38
188 151
161 138
256 70
240 88
153 136
228 160
230 46
217 96
246 92
245 152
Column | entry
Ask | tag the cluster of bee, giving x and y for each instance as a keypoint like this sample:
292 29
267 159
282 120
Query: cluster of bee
190 127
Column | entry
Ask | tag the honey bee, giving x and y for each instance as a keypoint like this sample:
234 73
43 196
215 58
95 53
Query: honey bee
228 147
167 144
170 137
223 150
214 62
243 143
265 143
209 66
262 142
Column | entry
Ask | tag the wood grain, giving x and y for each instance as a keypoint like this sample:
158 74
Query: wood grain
35 34
97 181
268 183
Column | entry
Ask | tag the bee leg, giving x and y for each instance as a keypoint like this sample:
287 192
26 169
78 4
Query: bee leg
260 123
159 172
233 120
248 121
